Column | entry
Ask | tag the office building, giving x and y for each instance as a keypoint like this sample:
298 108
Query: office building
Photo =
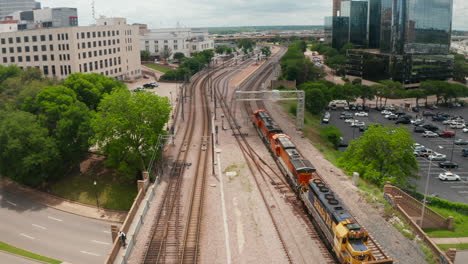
8 7
356 11
111 48
410 44
184 40
336 31
337 7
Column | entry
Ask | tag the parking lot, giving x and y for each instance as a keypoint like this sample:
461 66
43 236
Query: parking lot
456 191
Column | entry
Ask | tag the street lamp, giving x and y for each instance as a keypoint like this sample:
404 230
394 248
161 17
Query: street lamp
97 200
453 146
425 192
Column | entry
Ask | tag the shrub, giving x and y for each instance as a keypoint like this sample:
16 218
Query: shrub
331 134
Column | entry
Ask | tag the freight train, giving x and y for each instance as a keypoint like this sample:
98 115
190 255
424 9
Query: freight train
340 231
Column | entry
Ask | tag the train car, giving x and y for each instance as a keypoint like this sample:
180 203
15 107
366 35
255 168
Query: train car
266 124
340 230
298 169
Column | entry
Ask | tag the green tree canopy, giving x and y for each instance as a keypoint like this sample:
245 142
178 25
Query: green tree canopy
27 154
145 55
91 88
127 127
247 45
266 51
382 154
179 56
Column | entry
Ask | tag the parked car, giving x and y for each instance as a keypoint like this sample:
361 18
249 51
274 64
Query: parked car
403 121
342 115
422 152
437 156
447 133
138 89
350 121
430 134
460 142
458 125
415 109
431 127
358 124
386 112
438 118
448 165
464 152
361 114
418 129
392 117
465 130
449 176
418 122
427 113
363 128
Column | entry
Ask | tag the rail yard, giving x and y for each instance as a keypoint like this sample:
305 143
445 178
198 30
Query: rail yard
227 195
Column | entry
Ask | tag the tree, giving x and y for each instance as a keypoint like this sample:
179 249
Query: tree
365 92
8 72
179 56
166 53
417 94
346 47
247 45
460 68
127 127
27 154
67 119
266 51
331 134
220 49
382 154
338 63
145 55
91 88
391 89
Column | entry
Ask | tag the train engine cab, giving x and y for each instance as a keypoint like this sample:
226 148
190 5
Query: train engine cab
299 169
269 128
351 243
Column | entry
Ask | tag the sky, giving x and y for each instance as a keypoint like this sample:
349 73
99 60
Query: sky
220 13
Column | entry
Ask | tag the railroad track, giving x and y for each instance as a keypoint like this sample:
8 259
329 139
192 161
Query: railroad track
264 174
174 239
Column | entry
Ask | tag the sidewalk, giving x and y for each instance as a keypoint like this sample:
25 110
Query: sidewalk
450 240
60 203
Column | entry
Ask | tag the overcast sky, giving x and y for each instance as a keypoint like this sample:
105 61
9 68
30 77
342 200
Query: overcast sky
212 13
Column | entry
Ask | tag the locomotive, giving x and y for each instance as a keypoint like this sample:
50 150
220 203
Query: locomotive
341 232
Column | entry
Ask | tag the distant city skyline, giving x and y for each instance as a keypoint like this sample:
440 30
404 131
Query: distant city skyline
220 13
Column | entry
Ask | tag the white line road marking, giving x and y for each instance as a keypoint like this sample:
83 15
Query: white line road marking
30 237
53 218
38 226
100 242
12 203
462 191
459 187
107 232
90 253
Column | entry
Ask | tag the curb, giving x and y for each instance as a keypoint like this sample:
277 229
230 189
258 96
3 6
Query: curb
30 259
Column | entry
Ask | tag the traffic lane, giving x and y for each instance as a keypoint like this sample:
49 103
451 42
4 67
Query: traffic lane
456 191
53 233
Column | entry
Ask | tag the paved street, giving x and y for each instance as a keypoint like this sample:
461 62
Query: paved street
52 233
453 191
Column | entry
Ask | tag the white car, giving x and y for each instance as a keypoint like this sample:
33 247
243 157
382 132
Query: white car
351 121
449 176
358 124
361 114
457 125
465 130
428 133
386 112
437 156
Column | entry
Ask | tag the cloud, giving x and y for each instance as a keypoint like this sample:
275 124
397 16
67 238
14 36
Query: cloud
204 13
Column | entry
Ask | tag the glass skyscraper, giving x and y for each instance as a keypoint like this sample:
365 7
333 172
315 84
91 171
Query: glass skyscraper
336 31
422 26
356 11
374 23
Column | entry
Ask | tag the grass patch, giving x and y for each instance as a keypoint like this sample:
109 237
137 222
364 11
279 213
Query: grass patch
446 247
158 67
460 222
21 252
113 193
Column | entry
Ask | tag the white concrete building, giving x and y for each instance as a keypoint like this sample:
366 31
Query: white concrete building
110 48
185 40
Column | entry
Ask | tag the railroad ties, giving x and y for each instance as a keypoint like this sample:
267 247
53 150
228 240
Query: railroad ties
165 243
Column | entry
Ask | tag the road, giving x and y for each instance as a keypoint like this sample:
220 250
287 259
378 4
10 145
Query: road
52 233
453 191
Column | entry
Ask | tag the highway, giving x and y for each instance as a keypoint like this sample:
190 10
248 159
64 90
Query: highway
453 191
50 232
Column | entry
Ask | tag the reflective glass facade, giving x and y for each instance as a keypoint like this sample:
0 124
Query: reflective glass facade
421 26
386 16
9 6
337 31
374 23
356 11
